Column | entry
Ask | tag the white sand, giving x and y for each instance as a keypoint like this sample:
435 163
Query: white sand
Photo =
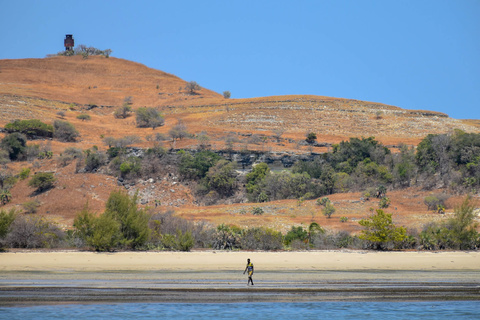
224 261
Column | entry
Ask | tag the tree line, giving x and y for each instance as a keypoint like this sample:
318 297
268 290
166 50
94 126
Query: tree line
124 226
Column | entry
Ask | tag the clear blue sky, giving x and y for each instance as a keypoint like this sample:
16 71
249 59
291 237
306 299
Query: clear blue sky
412 54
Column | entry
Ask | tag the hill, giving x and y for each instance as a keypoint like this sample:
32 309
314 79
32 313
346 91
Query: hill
40 88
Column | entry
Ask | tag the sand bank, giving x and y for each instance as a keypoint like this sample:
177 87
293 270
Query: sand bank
229 261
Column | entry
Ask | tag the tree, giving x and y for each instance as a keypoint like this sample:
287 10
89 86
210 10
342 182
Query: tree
222 178
328 210
311 137
149 117
226 94
192 87
254 180
463 226
380 231
64 131
133 221
178 131
296 233
6 219
15 144
42 181
313 229
123 111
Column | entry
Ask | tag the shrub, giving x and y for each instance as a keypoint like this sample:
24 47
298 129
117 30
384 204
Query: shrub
311 137
226 238
123 111
106 234
5 196
84 117
31 206
42 181
178 131
6 219
261 239
84 225
222 178
68 155
380 231
31 128
149 117
226 94
64 131
192 87
94 160
296 233
384 203
33 232
257 211
434 201
24 173
15 144
323 201
133 222
328 210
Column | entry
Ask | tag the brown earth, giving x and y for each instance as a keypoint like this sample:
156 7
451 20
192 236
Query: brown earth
39 88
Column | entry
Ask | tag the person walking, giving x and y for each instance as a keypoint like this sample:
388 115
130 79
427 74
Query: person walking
249 268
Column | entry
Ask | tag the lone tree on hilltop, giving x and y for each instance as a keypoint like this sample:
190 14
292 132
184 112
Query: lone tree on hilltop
192 87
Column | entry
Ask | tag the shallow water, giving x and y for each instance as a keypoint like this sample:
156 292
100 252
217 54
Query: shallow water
309 310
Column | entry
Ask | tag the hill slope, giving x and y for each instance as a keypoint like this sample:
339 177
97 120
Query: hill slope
40 88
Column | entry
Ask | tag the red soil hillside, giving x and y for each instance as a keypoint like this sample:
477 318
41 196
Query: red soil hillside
40 88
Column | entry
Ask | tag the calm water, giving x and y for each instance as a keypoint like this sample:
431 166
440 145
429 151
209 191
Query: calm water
317 310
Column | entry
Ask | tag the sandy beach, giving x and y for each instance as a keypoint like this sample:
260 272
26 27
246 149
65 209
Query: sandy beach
217 276
225 260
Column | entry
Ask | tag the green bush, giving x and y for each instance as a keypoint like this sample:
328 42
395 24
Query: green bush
222 178
6 219
328 210
31 128
106 234
381 232
15 144
24 173
384 203
296 233
133 221
64 131
42 181
257 211
311 137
